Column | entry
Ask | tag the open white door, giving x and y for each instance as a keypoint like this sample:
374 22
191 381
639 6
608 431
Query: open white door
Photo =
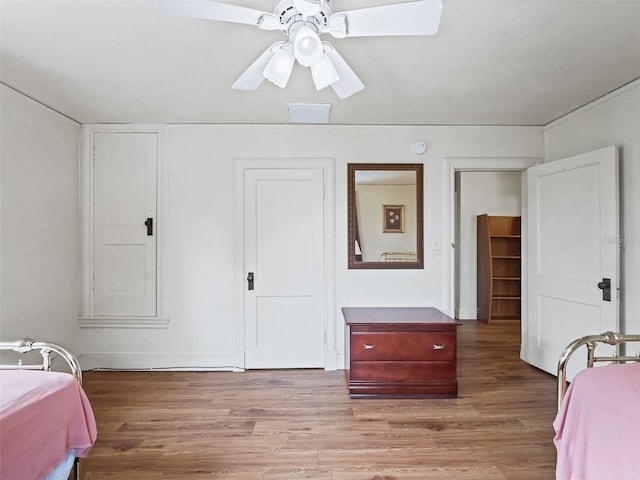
572 238
284 255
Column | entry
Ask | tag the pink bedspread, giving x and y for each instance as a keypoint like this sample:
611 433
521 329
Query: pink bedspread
598 423
42 416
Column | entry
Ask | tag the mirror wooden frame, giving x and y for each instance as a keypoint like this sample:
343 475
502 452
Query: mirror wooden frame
352 168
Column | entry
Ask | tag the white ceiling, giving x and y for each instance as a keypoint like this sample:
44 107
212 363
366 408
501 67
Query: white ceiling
493 62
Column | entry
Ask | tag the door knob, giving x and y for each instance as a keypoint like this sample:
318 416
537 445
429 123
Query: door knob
605 286
250 280
149 225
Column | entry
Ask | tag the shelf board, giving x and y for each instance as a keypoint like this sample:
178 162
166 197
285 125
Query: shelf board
514 279
514 257
505 297
497 235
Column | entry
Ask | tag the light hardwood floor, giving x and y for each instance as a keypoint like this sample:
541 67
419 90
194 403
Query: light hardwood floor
301 424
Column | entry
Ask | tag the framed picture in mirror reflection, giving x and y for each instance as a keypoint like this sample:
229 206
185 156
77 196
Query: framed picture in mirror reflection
393 218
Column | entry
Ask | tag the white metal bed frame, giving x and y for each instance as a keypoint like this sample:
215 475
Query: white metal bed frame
46 350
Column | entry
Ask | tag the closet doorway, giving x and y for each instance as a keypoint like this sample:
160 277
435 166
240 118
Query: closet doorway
496 193
457 165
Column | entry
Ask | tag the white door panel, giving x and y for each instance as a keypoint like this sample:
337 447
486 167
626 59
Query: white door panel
572 246
284 314
125 197
126 274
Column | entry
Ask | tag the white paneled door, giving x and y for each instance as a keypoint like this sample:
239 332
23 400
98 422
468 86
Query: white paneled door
124 270
572 253
284 268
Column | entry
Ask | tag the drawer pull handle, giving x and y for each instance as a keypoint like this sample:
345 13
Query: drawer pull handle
438 346
369 346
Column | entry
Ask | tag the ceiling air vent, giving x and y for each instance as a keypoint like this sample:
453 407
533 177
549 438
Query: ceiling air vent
309 112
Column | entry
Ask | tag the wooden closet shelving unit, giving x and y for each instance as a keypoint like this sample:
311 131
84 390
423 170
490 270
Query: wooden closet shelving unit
499 260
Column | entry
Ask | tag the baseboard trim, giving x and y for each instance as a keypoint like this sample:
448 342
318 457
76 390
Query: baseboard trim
153 361
466 314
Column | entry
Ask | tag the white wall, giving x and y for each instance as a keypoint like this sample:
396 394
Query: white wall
493 193
612 120
39 217
39 250
39 266
202 285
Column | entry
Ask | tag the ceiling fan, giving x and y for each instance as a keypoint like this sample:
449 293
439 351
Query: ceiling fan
303 21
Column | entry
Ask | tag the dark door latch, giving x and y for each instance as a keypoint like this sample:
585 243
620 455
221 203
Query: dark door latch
149 225
605 286
250 281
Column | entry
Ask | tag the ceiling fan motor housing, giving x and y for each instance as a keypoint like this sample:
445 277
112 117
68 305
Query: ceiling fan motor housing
292 20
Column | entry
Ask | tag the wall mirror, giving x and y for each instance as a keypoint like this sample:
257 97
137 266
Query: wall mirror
385 215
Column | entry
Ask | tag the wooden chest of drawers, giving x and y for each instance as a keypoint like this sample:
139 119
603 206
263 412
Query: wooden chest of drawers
400 352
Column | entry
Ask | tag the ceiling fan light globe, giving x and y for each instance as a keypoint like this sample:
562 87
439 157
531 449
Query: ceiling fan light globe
279 68
324 73
307 46
252 77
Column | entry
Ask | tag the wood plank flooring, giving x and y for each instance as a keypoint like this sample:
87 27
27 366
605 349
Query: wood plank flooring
301 424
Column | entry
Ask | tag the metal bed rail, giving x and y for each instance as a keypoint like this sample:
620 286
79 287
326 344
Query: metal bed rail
591 341
45 349
392 256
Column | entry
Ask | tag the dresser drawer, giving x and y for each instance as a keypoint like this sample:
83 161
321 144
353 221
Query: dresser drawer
403 346
413 371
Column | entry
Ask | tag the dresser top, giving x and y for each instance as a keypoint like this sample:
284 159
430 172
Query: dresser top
430 315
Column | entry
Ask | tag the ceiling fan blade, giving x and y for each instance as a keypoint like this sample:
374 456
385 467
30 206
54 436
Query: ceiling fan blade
421 17
223 12
349 82
252 77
